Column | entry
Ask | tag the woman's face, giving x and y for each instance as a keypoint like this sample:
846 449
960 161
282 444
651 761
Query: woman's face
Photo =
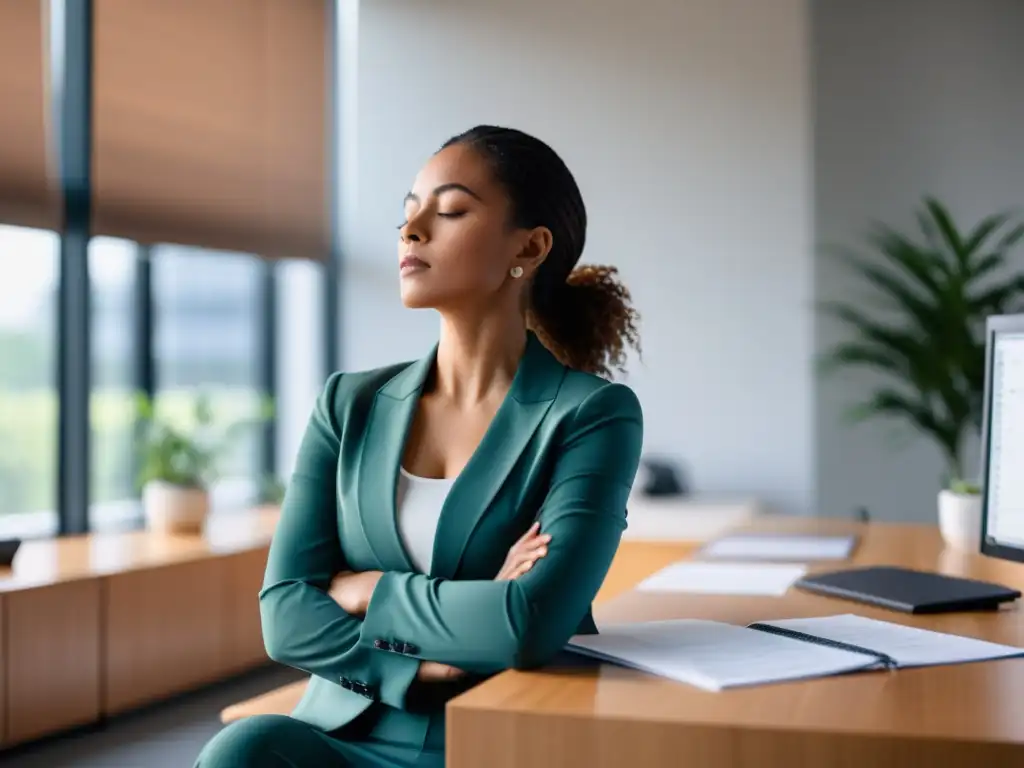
456 248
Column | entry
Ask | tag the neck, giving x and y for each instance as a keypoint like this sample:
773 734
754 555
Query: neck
477 357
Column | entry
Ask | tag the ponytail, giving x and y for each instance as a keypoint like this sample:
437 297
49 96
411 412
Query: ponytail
587 321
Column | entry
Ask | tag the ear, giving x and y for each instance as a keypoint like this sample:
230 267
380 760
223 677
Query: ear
534 251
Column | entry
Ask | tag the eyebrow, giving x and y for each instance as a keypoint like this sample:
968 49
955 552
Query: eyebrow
449 187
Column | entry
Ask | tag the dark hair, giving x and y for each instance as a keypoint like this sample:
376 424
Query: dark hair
582 314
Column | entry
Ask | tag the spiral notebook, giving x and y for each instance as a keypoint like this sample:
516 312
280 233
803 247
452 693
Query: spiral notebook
715 656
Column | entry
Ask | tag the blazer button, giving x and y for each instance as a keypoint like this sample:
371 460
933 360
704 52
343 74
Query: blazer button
409 648
346 683
382 645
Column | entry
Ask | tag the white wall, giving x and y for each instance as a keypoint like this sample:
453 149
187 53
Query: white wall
687 125
912 98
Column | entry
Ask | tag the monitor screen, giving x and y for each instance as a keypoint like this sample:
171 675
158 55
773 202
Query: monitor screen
1004 427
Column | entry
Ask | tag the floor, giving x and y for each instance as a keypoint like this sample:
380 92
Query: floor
166 735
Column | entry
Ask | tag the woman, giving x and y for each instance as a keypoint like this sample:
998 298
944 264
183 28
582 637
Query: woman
455 516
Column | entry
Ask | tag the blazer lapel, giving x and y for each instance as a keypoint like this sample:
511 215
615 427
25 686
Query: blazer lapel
533 390
391 415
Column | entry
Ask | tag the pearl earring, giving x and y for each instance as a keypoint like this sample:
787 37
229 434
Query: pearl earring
516 272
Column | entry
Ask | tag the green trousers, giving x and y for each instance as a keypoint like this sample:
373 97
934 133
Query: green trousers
280 741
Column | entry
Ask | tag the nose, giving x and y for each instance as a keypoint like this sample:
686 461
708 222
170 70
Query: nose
413 231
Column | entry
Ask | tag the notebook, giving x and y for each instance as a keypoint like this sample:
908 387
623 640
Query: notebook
715 656
773 546
904 589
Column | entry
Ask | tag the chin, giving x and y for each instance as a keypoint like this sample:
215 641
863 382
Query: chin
416 299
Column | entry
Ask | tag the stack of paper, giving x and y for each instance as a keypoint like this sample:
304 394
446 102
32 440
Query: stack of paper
771 579
790 548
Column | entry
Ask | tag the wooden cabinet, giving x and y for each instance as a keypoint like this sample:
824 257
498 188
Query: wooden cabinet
99 624
52 658
165 631
3 674
243 634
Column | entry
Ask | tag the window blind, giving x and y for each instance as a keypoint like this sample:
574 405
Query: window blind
209 124
29 182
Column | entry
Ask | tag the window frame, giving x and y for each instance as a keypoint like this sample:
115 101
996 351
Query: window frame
71 33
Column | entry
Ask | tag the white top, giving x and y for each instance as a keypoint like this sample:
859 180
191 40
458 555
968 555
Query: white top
418 503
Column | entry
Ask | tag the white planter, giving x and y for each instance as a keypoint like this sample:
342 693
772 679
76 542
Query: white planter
174 509
960 520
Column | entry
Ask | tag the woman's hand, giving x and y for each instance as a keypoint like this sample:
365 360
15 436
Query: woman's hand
432 672
524 553
530 548
352 591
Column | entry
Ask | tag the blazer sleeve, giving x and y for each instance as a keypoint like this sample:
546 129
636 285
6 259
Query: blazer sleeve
303 627
486 626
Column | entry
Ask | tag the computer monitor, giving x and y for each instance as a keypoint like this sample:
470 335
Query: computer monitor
1002 517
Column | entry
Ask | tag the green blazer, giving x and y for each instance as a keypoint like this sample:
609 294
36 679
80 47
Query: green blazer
563 449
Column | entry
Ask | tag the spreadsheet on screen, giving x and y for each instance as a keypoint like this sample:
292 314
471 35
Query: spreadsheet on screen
1005 473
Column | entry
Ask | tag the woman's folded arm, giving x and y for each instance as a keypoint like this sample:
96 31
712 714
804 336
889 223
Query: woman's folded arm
303 627
486 626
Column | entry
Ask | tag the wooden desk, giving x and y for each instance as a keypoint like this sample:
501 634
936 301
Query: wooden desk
94 625
965 715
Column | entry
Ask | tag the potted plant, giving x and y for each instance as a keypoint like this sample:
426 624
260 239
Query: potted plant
926 336
179 463
271 491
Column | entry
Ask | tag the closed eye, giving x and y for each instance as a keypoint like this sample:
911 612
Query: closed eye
452 215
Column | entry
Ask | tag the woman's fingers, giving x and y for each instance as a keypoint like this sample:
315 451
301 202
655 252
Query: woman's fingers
535 553
527 560
432 671
530 532
521 569
531 537
529 548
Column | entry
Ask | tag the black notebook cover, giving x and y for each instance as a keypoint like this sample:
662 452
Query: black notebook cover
910 591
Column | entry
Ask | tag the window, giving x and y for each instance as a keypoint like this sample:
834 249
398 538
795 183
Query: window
300 344
112 400
207 342
29 269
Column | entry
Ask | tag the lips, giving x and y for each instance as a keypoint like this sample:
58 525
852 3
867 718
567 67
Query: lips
411 262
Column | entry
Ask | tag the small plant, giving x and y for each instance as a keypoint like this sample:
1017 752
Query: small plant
271 491
186 452
927 334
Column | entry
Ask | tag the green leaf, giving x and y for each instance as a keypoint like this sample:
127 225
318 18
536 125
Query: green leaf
964 487
189 456
1000 299
951 238
982 232
1011 238
990 262
925 267
860 354
929 344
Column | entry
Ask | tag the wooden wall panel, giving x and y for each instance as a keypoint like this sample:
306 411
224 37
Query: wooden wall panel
164 631
243 635
52 658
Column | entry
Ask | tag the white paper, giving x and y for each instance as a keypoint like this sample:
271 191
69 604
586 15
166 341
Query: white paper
718 578
908 646
777 547
713 655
